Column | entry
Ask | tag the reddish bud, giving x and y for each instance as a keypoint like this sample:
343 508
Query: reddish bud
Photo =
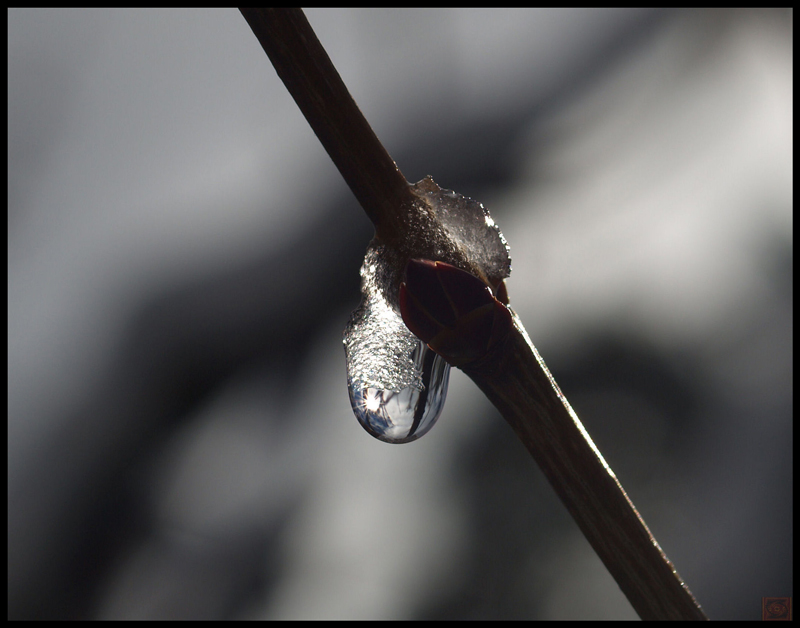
451 310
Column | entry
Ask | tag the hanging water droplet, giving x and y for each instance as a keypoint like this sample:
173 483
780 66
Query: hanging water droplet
397 385
404 415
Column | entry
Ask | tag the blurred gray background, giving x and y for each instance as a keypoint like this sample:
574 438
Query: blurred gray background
183 257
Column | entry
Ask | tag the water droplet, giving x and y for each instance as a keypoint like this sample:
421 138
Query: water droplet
405 415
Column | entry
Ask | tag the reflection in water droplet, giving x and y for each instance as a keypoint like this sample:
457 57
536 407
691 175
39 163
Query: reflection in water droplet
405 415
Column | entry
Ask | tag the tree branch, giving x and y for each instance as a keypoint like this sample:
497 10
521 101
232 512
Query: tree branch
512 375
516 380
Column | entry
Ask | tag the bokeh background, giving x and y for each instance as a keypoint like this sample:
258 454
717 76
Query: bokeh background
183 257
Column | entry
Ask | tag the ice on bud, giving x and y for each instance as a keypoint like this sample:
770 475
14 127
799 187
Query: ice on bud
397 385
460 232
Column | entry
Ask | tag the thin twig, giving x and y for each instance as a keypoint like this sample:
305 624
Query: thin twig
517 381
513 376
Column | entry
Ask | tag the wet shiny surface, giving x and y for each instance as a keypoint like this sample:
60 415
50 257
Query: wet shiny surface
406 415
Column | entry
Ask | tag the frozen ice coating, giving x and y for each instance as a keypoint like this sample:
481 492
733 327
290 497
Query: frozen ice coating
461 233
397 385
379 346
